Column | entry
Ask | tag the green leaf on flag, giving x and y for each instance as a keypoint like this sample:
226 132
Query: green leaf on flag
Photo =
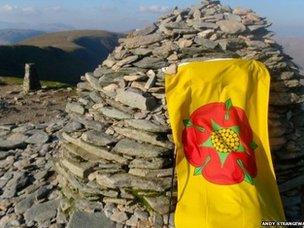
215 126
197 171
223 156
248 179
228 104
236 129
241 148
253 145
187 122
207 143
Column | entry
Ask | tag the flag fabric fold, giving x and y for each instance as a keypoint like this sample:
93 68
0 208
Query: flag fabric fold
218 111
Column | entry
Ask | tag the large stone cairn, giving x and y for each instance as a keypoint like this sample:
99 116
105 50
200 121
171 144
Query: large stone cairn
122 155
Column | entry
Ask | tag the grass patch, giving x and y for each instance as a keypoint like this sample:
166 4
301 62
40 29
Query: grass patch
11 81
54 85
140 199
44 84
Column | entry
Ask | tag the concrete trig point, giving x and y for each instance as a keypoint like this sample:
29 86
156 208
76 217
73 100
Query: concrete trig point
31 80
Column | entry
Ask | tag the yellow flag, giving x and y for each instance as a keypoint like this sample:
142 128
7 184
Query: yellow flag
218 112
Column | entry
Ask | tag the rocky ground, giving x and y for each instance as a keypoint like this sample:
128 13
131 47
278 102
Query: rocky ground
29 134
36 107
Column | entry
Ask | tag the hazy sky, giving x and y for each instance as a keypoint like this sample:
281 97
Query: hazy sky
122 15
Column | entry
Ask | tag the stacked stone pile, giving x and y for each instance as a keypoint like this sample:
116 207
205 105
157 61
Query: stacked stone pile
122 154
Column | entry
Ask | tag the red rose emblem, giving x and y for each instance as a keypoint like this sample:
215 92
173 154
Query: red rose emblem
218 142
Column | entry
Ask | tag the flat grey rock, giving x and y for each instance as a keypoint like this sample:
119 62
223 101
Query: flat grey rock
133 148
95 96
25 204
128 60
39 137
23 129
231 26
146 125
151 63
10 144
98 138
94 82
142 40
74 107
18 137
143 136
42 212
81 219
176 25
101 70
159 204
123 180
141 51
90 124
73 126
151 163
200 24
114 113
136 99
119 216
206 43
95 150
17 183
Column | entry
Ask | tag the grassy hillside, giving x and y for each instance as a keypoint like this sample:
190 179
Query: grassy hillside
12 36
44 84
60 56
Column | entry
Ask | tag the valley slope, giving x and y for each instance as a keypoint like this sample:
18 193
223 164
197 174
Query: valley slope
60 56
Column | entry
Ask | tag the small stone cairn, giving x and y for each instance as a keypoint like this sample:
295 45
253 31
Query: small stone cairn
123 155
31 80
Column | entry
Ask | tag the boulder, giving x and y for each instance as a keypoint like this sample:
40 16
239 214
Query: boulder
136 99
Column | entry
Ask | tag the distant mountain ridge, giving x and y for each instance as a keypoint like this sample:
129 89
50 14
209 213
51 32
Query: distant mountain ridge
13 36
294 46
45 27
12 32
60 56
